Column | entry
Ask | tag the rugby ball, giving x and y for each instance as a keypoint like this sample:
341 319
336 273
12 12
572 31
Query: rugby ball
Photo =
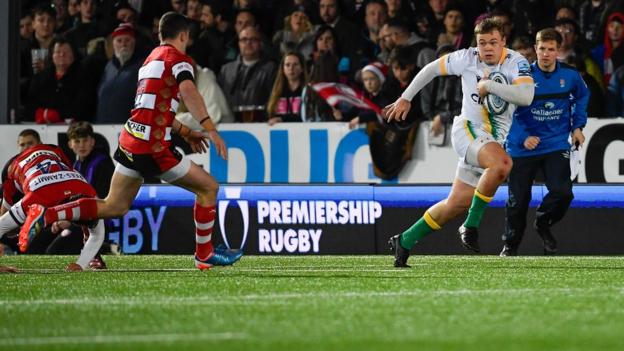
494 104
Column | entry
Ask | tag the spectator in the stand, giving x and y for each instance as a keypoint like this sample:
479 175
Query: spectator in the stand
247 18
425 26
597 106
247 81
566 11
63 21
404 69
506 19
375 16
73 8
209 49
571 46
284 7
285 101
529 16
385 43
373 77
26 26
613 37
346 32
193 9
443 100
58 93
401 36
178 6
454 32
118 85
43 34
298 34
438 7
525 47
590 13
125 13
87 27
214 99
400 10
313 107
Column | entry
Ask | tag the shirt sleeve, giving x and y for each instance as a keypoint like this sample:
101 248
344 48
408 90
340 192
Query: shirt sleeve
456 62
520 72
182 69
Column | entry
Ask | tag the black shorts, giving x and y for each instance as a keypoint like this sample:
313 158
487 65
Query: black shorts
168 164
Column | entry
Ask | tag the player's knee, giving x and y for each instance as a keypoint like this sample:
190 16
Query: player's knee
502 169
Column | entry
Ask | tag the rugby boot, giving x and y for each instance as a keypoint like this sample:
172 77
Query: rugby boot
97 263
33 225
508 251
469 237
401 254
221 256
550 243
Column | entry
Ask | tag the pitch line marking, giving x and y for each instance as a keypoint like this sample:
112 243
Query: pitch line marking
120 339
221 300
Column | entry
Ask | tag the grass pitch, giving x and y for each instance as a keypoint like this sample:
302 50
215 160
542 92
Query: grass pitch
316 303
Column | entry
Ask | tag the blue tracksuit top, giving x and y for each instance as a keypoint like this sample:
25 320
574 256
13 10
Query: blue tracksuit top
559 106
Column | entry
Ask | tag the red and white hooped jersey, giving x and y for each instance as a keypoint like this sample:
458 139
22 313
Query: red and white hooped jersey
157 97
37 167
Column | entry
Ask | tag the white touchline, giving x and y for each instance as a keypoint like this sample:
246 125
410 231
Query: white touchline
120 339
278 298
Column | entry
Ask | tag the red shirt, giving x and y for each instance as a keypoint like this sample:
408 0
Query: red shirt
36 167
149 128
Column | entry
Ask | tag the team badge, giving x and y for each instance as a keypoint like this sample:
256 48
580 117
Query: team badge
495 104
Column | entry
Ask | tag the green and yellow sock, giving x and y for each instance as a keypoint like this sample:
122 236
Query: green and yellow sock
475 213
425 225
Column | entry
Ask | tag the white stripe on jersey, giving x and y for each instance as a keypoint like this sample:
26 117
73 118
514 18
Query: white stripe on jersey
145 100
36 154
154 69
181 67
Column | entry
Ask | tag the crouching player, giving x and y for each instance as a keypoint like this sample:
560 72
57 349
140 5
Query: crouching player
41 173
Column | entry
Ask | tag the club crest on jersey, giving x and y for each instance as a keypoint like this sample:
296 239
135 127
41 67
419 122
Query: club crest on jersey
495 104
562 83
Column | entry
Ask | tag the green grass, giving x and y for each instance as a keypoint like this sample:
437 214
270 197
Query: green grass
316 303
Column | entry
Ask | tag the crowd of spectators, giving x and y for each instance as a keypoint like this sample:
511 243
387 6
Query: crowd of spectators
255 59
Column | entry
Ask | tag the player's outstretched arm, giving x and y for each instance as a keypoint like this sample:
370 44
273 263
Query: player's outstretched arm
399 109
196 106
517 94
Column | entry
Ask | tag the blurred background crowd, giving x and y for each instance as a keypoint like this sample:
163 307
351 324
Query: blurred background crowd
256 59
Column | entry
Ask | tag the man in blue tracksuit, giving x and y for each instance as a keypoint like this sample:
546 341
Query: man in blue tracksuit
538 139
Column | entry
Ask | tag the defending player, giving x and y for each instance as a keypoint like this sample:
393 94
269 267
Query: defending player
145 147
43 175
478 132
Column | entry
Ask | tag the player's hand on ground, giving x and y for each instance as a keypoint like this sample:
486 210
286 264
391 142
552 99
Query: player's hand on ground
219 143
59 226
197 140
8 269
578 137
531 142
73 267
397 110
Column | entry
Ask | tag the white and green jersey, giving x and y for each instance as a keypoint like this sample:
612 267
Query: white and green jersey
474 114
